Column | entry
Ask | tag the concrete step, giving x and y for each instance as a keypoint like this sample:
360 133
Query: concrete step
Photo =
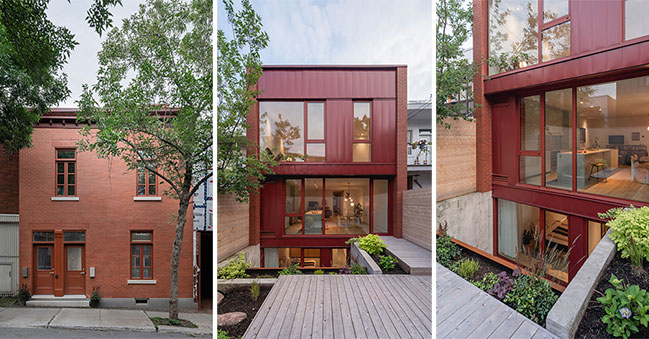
64 301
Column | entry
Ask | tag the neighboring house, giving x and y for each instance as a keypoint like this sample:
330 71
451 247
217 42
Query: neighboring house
562 125
89 224
350 123
420 159
203 209
9 223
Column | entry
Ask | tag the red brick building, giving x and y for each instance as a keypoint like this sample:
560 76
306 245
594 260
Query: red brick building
88 223
562 123
342 133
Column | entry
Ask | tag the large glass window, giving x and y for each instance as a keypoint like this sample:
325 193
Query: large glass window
513 34
530 123
635 13
362 122
362 152
556 42
141 255
558 139
313 212
315 120
348 201
380 206
553 9
289 256
293 209
281 128
66 173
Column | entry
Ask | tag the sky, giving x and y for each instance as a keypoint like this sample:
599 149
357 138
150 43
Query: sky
349 32
82 65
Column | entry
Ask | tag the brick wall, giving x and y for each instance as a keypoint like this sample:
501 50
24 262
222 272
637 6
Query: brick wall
483 110
401 179
231 226
107 213
8 182
417 217
456 159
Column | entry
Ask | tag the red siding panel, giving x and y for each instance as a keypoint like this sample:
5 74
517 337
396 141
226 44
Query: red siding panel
384 131
339 130
272 199
595 26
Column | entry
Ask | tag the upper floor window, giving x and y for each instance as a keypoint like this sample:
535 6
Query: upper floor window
146 182
141 255
66 162
315 143
635 12
281 128
362 147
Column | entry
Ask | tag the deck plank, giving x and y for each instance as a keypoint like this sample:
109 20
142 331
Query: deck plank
477 317
387 313
336 310
294 311
327 315
307 324
348 323
303 292
357 320
419 316
407 314
264 310
281 317
379 325
447 326
318 317
423 304
508 327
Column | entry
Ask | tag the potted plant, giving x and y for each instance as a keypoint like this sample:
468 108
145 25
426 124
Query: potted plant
23 295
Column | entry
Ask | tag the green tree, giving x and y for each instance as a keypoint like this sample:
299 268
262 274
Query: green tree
454 71
154 107
239 170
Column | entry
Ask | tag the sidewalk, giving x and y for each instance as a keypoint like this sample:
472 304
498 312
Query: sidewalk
99 319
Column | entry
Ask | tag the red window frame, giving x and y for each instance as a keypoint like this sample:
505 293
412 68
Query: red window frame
308 140
147 182
362 141
66 173
140 244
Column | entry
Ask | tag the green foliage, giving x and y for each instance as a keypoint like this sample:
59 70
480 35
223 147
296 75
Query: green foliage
255 288
23 294
532 297
332 273
221 334
318 272
626 308
358 269
239 69
372 244
351 241
290 270
630 232
388 262
487 282
95 297
234 269
468 268
447 250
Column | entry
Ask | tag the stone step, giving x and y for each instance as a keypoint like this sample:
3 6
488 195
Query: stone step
64 301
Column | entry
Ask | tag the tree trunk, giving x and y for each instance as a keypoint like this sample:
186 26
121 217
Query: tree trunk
175 252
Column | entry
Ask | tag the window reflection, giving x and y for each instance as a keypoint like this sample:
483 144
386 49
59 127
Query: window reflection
362 121
556 42
635 24
531 123
553 9
558 139
315 120
513 34
281 126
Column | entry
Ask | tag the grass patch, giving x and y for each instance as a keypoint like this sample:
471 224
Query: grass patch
157 321
7 301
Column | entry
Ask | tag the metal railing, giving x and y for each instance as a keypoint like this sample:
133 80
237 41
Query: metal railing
419 157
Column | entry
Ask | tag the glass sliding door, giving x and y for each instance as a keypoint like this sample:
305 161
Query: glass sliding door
518 224
293 211
349 200
380 206
313 212
558 139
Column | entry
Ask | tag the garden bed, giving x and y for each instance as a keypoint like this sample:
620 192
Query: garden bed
262 273
591 325
238 300
397 269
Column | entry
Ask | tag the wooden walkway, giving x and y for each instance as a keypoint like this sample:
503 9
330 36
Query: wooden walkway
465 311
412 258
346 306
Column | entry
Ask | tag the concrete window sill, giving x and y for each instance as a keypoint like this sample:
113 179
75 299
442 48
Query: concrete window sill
147 198
65 198
142 282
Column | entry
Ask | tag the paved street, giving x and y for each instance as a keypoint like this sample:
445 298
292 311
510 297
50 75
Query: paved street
11 333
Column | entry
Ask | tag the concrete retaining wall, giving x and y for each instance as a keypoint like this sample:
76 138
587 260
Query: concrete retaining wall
418 217
363 258
565 316
224 285
231 226
153 304
469 218
250 253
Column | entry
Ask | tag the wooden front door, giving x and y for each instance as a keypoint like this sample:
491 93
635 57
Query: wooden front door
74 281
43 269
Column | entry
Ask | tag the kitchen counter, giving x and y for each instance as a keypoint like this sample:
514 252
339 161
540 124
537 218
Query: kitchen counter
585 160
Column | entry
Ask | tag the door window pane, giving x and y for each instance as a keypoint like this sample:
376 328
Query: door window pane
59 190
530 170
315 152
135 250
74 258
135 272
347 206
141 236
152 190
362 121
65 154
146 273
71 167
294 196
362 152
513 34
281 126
70 179
44 258
531 123
315 120
380 206
558 139
74 236
556 42
43 236
314 209
60 167
553 9
635 24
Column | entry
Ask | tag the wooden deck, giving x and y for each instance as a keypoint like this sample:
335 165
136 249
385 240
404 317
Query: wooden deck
346 306
412 258
465 311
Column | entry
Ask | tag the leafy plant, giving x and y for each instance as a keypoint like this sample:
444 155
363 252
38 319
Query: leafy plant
630 232
372 244
332 273
95 297
291 270
468 268
234 269
358 269
487 282
502 286
345 270
318 272
447 250
626 308
532 297
23 294
388 262
255 288
221 334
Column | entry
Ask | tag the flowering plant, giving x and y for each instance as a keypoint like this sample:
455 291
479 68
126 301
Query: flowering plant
421 144
626 308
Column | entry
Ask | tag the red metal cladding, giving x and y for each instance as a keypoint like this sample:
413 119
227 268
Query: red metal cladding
505 143
339 169
339 120
272 201
578 242
594 27
384 120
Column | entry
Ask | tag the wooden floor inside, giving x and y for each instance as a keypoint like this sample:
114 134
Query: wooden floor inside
346 306
465 311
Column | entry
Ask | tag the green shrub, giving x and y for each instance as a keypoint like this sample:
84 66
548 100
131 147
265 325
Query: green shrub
468 268
630 232
358 269
388 262
234 269
332 273
291 270
221 334
532 297
447 250
626 308
95 297
487 282
23 294
255 288
318 272
372 244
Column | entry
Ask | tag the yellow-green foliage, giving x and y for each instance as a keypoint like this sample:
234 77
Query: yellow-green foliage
468 268
372 244
234 269
630 223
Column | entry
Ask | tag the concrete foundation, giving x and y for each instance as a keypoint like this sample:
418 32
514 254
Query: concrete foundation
469 218
250 253
363 258
152 304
